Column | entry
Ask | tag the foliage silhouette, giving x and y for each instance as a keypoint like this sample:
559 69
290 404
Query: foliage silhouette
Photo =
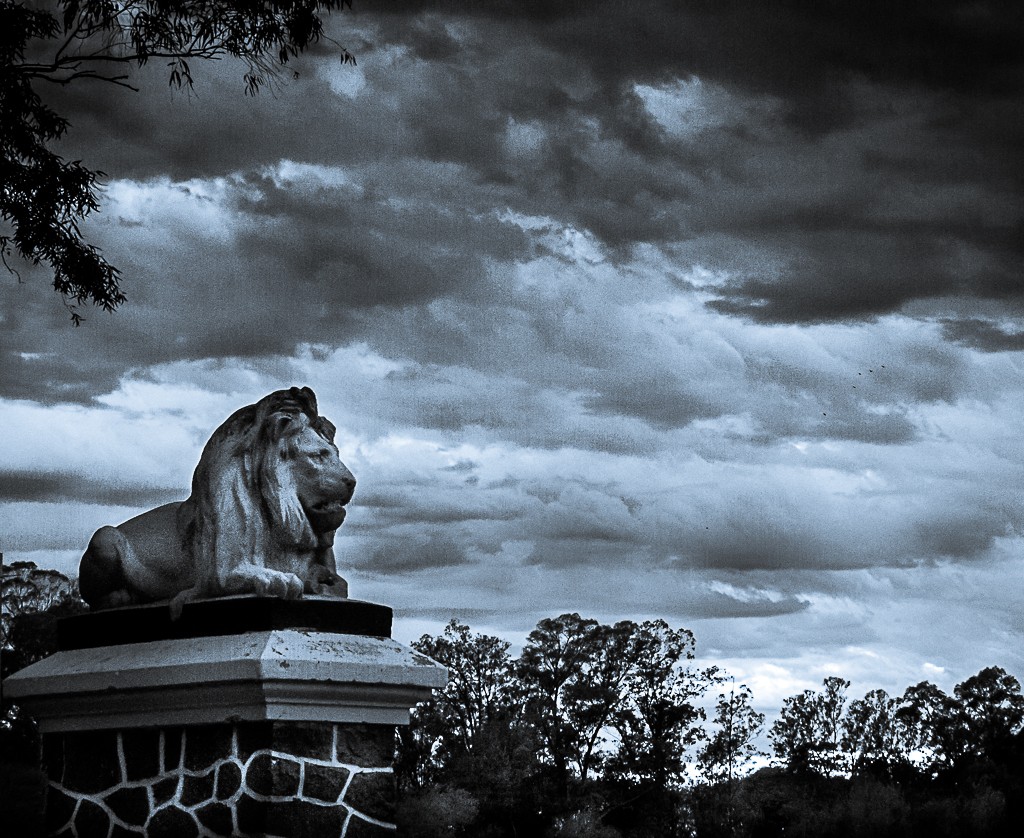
807 736
43 198
33 599
597 731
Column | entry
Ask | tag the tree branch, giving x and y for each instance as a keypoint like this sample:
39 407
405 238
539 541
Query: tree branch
120 81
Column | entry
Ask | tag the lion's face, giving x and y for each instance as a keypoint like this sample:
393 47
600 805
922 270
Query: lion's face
322 482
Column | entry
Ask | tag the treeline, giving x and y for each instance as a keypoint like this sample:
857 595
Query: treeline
615 731
601 731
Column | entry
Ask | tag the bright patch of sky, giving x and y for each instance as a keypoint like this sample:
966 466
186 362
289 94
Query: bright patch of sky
740 350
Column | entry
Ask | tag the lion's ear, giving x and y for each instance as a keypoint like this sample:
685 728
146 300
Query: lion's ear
310 397
326 428
305 397
279 423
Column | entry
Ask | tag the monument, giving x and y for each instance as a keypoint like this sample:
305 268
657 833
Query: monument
223 682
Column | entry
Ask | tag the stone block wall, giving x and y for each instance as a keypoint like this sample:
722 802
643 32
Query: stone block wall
288 779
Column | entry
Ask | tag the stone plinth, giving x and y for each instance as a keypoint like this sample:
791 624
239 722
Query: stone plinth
285 728
246 778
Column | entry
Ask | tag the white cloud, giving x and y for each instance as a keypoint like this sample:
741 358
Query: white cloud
198 207
503 305
346 80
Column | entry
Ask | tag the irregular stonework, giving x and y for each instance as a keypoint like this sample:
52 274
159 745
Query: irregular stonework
270 779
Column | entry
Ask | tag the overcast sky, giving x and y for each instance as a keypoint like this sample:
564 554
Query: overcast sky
695 310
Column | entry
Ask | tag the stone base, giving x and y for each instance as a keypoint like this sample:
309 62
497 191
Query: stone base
251 778
269 660
223 616
278 720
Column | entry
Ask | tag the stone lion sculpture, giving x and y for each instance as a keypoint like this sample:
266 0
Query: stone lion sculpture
267 497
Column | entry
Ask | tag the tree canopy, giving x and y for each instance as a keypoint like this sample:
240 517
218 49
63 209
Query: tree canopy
43 197
598 731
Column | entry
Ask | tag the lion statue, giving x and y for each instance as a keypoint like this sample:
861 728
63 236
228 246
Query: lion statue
267 497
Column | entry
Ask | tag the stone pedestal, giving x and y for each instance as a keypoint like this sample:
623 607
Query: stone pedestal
248 716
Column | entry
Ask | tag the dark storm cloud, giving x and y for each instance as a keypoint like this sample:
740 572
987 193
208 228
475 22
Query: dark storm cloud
870 158
852 421
348 251
983 334
445 613
786 46
935 80
771 529
417 549
427 504
211 131
33 363
50 487
298 262
664 402
966 530
462 466
867 402
485 387
722 605
841 274
201 314
801 235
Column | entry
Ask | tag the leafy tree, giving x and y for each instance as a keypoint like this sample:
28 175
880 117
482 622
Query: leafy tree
732 747
808 734
490 742
877 738
660 720
979 722
991 710
33 599
584 678
934 720
437 811
43 197
729 750
415 760
593 699
480 681
487 731
585 823
480 690
555 659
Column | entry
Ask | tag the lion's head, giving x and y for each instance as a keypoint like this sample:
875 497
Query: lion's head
270 490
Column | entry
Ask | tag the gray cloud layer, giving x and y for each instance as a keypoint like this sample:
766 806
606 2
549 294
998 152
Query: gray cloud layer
858 160
701 310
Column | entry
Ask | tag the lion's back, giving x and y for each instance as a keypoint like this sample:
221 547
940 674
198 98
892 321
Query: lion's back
155 540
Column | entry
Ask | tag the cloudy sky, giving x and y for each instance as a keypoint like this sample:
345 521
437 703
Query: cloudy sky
695 310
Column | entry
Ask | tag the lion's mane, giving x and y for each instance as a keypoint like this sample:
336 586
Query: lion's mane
245 508
267 496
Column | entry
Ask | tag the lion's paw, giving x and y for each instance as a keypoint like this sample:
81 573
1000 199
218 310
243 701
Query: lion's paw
115 599
264 581
295 586
317 576
324 582
282 585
